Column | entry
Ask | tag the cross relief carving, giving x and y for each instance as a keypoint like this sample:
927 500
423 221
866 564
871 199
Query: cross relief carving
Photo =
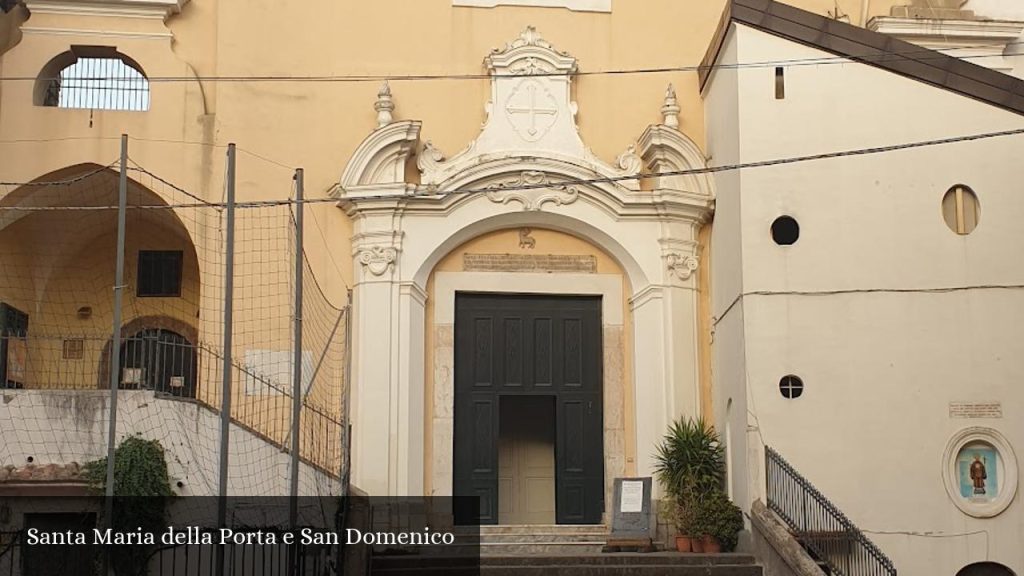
531 110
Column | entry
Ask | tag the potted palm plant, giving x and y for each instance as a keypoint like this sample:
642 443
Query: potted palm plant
689 464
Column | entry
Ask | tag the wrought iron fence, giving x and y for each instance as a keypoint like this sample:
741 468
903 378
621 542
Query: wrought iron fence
10 556
241 560
819 525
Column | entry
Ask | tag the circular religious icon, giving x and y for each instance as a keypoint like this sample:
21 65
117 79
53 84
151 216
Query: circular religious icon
981 471
977 464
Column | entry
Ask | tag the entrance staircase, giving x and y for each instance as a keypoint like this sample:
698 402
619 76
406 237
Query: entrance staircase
562 551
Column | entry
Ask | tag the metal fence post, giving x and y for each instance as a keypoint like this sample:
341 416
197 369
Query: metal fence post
115 339
225 401
297 376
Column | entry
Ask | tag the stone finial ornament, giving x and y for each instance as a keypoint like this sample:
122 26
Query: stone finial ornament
384 106
670 110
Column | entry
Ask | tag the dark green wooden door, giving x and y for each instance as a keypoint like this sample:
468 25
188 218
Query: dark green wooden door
529 345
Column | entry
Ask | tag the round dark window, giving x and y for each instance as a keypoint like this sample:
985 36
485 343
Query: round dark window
791 386
785 231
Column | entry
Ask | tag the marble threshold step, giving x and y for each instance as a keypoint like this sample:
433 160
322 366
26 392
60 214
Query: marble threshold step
622 559
655 564
519 540
493 529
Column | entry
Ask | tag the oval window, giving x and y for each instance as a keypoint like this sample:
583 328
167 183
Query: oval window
960 210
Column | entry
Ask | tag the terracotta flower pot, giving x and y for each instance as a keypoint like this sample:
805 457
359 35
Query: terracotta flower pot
697 545
711 545
684 544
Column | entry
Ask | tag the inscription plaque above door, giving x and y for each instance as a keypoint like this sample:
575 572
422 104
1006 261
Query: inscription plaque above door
529 263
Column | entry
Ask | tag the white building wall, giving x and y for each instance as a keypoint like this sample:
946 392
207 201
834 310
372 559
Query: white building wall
885 313
729 366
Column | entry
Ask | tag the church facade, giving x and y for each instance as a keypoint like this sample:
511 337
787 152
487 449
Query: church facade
562 225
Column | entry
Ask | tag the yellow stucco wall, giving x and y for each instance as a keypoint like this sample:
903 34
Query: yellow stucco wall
317 125
196 109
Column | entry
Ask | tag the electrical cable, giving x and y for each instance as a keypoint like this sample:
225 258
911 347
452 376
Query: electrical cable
432 193
876 57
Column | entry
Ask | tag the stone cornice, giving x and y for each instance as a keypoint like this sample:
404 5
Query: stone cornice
576 5
160 9
982 42
911 28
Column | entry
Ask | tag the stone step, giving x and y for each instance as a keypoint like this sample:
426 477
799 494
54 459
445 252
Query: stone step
544 538
656 564
540 548
559 570
545 528
624 559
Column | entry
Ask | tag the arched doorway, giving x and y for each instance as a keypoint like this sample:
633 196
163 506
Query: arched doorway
159 360
411 207
59 249
527 375
985 569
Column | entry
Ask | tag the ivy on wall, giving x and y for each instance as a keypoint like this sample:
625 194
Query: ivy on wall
142 490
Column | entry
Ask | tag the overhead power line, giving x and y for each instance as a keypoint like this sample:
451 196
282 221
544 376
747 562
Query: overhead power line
921 55
428 192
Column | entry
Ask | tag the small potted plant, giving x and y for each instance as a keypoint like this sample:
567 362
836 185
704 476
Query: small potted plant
690 463
684 514
719 521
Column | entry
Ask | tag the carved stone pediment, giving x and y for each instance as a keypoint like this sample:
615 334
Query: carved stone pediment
382 157
531 105
530 114
529 153
668 151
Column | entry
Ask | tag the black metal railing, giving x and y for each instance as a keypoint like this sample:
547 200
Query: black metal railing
170 365
294 559
819 525
10 556
159 360
191 559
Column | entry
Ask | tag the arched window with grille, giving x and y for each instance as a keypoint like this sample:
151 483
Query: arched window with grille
159 360
94 78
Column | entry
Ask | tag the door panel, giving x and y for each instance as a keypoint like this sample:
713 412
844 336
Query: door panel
526 460
530 345
580 459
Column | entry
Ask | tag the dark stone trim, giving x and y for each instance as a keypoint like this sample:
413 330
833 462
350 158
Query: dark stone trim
871 48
